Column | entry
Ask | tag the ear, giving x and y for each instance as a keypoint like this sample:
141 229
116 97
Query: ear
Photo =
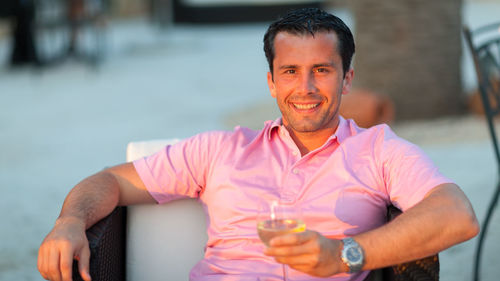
347 82
270 83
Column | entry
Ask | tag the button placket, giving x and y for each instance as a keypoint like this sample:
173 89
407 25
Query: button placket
292 184
293 178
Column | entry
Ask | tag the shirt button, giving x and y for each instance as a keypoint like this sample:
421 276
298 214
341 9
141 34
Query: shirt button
295 171
295 153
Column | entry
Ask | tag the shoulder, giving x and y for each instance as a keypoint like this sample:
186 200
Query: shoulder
376 134
238 136
377 131
379 140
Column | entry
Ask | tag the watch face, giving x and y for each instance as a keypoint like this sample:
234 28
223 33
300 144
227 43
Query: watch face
353 254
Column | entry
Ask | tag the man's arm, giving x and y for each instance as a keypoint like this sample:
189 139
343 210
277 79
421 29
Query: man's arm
442 219
89 201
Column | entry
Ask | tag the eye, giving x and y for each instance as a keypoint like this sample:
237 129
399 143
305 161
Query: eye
321 70
290 71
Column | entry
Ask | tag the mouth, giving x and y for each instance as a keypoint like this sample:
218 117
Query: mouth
305 106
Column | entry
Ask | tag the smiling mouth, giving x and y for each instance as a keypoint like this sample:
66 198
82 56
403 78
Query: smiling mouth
305 106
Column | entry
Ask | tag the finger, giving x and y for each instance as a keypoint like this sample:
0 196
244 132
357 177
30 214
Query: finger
306 268
285 251
298 261
42 268
66 263
288 254
83 263
293 238
54 273
309 247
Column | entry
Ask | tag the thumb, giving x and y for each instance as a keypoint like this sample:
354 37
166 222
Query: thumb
83 263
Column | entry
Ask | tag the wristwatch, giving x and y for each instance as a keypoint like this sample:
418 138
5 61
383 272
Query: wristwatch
352 255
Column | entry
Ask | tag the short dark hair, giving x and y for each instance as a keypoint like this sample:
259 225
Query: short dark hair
311 20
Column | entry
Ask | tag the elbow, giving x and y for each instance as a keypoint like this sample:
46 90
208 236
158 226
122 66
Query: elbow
470 226
473 228
473 224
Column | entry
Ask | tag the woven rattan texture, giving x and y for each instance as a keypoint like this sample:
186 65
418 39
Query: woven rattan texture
426 269
107 248
422 270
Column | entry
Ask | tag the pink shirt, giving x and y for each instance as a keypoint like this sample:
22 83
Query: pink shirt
342 187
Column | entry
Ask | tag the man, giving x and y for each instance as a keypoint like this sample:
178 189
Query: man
341 176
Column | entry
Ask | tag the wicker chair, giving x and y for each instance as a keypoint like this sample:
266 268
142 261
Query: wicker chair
484 44
113 238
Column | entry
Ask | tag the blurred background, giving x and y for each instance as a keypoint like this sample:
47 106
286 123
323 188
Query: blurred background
79 79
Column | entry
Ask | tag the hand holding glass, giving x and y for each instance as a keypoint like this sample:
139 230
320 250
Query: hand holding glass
277 219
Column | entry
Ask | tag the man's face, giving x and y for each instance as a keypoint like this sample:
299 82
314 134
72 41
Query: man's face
308 81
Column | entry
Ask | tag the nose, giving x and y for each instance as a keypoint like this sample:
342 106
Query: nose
307 84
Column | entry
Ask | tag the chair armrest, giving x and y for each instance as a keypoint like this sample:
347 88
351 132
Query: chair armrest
107 248
426 269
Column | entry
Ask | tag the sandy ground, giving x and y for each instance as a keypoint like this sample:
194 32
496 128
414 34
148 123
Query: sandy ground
58 125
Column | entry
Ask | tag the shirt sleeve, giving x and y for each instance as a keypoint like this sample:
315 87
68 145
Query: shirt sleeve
409 174
179 170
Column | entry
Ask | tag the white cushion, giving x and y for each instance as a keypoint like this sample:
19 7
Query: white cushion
163 241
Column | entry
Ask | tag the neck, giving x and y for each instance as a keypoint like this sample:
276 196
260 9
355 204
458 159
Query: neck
309 141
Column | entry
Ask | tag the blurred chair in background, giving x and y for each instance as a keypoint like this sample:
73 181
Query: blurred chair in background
49 31
70 28
484 43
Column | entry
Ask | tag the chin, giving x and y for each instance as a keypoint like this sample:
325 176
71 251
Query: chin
306 128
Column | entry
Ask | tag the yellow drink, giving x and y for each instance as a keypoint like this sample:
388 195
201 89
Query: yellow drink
270 228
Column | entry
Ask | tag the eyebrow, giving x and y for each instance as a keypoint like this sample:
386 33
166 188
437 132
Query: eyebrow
324 65
288 66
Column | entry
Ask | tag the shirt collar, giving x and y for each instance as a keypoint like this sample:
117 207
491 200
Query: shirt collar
342 131
275 125
340 134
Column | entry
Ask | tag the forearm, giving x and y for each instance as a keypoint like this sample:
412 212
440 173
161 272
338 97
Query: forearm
88 202
441 220
444 218
91 199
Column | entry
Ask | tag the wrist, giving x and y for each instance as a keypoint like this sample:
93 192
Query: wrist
343 266
70 220
352 255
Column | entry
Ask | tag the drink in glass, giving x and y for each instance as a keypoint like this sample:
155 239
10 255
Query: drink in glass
277 219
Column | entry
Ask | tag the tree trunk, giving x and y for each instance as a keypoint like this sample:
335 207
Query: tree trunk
410 50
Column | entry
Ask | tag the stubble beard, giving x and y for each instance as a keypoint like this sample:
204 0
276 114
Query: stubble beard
309 125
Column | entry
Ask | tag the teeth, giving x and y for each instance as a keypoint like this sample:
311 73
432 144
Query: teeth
305 106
